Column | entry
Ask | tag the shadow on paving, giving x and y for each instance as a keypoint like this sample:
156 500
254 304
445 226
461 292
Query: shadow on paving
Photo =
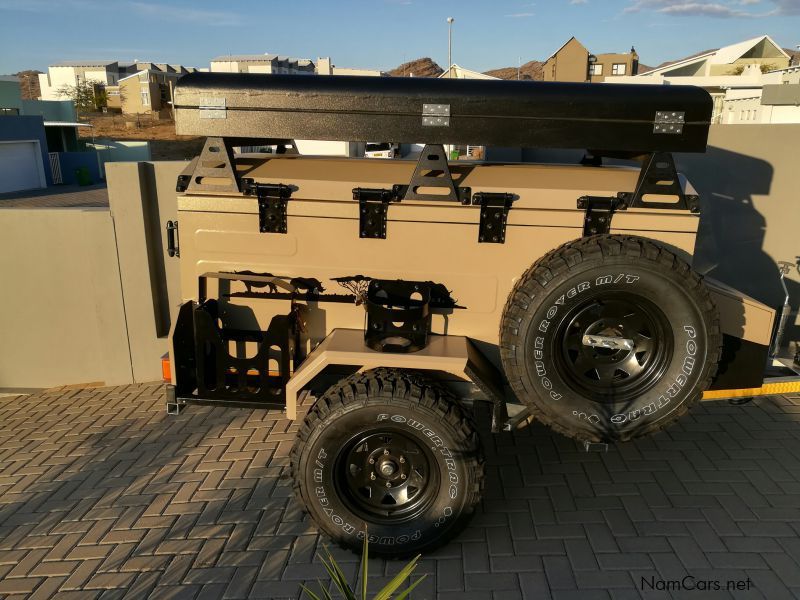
104 495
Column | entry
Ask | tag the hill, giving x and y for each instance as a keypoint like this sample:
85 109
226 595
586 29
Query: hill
421 67
29 84
531 70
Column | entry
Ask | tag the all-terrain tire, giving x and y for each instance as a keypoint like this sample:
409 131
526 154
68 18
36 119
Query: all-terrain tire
392 454
631 293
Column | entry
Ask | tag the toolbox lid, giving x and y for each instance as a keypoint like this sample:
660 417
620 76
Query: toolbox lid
594 116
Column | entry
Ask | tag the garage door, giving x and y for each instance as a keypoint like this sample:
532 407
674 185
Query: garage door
20 166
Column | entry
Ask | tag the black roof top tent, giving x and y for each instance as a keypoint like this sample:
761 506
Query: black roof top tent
604 118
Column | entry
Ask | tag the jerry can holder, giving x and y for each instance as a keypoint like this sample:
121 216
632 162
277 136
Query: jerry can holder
398 315
212 366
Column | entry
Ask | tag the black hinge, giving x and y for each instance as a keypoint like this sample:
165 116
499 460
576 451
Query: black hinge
272 202
494 215
599 210
373 209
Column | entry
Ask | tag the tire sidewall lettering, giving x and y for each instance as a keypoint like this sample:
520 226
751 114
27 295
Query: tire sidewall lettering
442 512
656 403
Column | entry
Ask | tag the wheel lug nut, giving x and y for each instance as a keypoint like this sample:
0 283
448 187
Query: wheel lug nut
402 460
385 452
403 476
372 475
372 461
388 484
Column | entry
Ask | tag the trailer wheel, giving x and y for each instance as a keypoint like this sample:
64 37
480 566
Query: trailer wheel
609 338
391 454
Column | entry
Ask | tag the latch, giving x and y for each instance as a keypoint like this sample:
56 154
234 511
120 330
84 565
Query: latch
173 241
599 210
669 121
373 209
272 203
183 183
494 215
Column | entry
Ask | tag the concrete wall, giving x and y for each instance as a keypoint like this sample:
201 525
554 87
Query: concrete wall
109 151
61 306
70 161
142 200
51 110
750 203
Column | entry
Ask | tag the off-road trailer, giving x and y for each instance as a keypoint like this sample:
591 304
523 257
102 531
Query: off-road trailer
560 292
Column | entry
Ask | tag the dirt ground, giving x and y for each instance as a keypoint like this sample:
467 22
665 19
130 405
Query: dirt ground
164 144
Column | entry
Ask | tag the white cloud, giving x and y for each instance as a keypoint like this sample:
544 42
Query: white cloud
712 8
521 15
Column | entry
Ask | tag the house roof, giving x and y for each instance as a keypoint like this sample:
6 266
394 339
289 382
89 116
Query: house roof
156 71
722 56
85 63
259 58
563 45
467 73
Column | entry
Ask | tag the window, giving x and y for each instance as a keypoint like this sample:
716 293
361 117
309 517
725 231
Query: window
596 69
618 69
145 99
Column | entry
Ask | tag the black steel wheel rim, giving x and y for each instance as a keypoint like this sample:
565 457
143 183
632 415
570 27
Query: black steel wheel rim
386 476
613 374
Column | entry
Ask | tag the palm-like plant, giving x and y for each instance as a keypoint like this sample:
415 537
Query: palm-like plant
348 593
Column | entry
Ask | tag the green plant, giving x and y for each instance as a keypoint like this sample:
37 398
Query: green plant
348 593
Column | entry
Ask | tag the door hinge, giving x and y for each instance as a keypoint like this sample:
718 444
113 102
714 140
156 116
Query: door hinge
599 210
494 215
273 199
373 209
670 122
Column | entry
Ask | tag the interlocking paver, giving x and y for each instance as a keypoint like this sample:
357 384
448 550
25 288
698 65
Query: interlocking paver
104 495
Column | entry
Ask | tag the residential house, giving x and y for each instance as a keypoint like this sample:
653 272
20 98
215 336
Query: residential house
147 91
573 62
69 74
777 101
324 66
739 66
261 63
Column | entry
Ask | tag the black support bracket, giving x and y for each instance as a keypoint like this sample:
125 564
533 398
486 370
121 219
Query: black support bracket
272 204
373 209
659 177
494 216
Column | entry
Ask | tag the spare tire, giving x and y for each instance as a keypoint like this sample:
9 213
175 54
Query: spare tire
609 338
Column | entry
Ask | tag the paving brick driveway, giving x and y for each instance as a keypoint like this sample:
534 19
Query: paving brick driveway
102 494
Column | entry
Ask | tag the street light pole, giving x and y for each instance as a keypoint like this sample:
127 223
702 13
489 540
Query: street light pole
450 46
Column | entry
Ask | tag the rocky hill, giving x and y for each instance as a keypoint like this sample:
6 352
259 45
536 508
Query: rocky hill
421 67
531 70
29 84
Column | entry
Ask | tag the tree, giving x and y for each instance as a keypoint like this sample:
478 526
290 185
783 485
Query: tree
84 94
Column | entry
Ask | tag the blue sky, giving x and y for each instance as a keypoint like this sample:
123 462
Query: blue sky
378 33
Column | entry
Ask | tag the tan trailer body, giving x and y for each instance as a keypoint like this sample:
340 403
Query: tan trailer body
426 241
